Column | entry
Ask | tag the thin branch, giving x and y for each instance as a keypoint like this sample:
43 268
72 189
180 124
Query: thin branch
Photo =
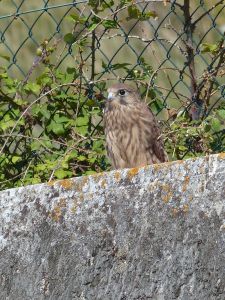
205 13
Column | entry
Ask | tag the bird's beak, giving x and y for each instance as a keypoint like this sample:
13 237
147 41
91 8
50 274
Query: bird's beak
110 96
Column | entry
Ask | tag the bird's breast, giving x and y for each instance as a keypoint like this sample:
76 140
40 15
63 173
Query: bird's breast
119 118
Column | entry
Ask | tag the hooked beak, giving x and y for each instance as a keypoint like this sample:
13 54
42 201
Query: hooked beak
110 96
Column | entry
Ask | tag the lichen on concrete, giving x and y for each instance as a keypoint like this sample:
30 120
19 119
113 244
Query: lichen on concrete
156 232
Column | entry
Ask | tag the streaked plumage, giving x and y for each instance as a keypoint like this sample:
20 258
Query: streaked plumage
131 130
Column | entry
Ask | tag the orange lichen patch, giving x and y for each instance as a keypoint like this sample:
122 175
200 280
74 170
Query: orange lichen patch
221 155
77 201
167 193
180 162
79 184
175 162
185 208
175 211
56 213
190 198
97 177
186 182
146 167
202 169
153 186
132 172
103 183
178 210
186 167
74 208
84 180
89 196
66 183
117 176
158 167
51 182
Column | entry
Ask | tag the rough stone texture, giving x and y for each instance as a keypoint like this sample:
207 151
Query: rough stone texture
151 233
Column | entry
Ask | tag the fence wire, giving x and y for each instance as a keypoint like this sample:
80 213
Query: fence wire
172 50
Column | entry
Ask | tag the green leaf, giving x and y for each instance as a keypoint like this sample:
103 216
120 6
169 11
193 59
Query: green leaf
156 105
120 66
35 145
76 18
7 124
182 148
61 119
216 125
97 146
207 127
133 12
44 79
90 102
205 47
3 75
32 87
90 172
41 110
69 38
61 173
45 112
100 5
221 113
71 71
92 27
81 121
72 155
81 158
109 24
43 167
6 57
148 15
57 128
82 130
16 159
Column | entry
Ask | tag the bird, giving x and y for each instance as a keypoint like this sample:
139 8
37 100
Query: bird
133 137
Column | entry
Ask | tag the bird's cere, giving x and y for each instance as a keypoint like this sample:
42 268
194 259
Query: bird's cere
110 96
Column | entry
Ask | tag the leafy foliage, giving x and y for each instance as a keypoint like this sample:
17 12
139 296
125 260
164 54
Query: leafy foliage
49 129
51 126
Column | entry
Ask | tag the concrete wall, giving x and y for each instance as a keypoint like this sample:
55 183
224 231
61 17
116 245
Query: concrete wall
151 233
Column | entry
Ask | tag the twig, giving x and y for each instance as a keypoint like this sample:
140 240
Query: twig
221 60
205 13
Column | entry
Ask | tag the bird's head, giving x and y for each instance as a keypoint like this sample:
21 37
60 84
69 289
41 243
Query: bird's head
122 94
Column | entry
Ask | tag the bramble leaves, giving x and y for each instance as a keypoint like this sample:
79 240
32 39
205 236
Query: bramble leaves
135 13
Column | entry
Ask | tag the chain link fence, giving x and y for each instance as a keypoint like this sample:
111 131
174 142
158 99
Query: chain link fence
57 60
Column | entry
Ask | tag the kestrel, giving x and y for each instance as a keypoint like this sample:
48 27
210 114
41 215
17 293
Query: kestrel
131 130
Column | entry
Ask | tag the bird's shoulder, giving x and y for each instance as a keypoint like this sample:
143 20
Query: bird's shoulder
144 112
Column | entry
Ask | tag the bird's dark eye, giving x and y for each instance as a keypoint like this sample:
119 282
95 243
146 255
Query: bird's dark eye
122 92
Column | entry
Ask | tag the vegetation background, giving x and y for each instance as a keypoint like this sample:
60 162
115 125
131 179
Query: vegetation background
58 57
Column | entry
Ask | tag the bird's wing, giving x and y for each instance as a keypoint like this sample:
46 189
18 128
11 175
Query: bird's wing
151 133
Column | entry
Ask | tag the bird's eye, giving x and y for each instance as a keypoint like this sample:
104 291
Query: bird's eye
122 92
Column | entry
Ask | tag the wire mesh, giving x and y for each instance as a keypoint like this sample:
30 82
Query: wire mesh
172 50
